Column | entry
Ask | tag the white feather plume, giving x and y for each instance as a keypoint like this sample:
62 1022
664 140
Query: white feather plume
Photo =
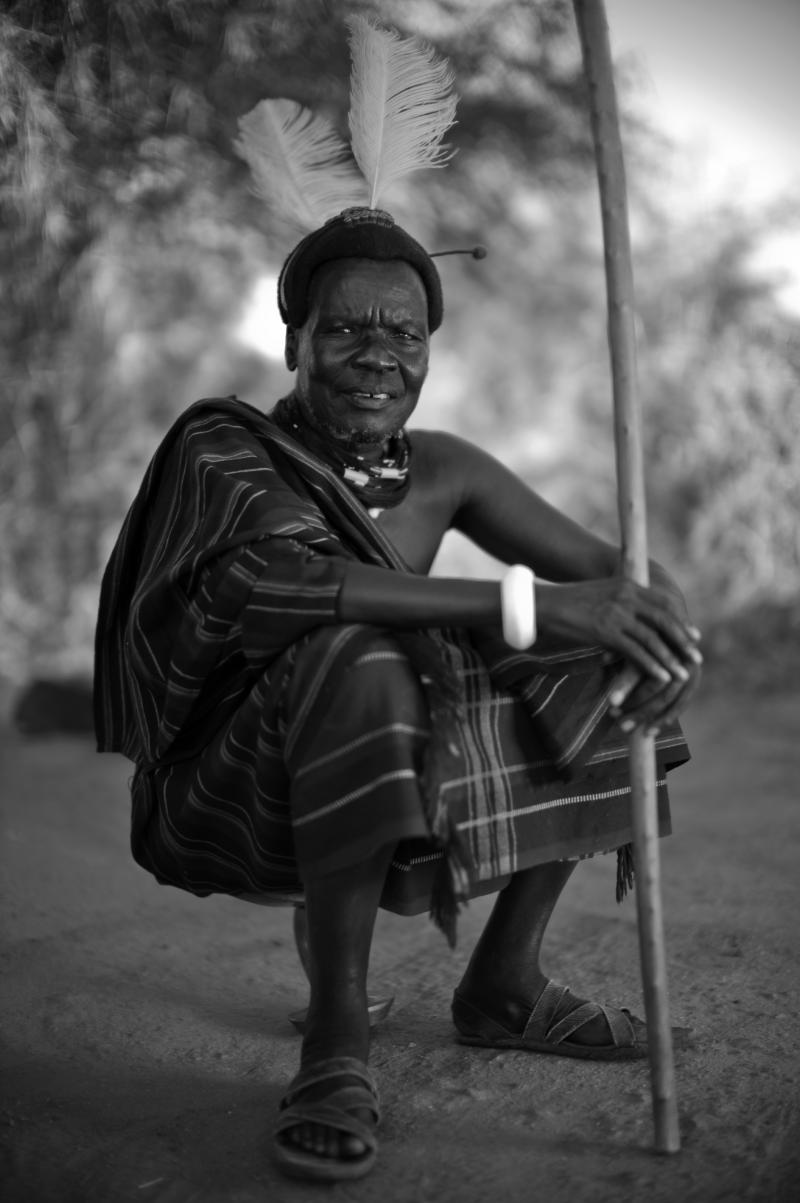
298 162
401 104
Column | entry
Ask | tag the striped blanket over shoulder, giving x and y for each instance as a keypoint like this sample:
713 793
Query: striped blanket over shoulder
265 732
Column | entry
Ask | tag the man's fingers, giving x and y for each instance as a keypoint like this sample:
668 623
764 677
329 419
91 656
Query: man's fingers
683 699
647 626
654 706
665 659
623 686
665 635
647 649
680 633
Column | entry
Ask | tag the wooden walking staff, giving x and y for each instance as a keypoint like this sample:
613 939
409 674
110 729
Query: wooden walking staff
593 29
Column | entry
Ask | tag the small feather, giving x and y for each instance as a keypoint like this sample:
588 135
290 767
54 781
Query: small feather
401 104
300 165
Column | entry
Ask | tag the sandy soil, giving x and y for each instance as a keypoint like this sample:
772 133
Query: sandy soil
146 1033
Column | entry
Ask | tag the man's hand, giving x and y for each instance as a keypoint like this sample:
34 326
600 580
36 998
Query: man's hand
638 701
648 626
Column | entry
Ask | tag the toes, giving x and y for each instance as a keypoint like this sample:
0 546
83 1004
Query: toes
325 1142
316 1139
317 1142
351 1146
331 1142
301 1135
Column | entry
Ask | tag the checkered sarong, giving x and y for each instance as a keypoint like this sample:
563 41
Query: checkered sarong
266 735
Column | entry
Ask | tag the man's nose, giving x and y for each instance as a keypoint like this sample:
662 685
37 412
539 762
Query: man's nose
374 353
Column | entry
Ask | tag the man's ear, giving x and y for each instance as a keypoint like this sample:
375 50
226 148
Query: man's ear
290 348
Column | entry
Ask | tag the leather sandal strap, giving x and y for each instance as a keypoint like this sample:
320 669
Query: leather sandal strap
545 1011
619 1022
557 1015
575 1019
362 1093
328 1115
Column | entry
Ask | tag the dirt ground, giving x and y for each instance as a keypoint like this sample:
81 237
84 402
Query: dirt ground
147 1041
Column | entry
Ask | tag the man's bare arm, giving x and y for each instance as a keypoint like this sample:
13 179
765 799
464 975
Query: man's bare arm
509 520
588 601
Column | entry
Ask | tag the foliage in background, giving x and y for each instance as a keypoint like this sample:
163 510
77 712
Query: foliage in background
132 242
719 371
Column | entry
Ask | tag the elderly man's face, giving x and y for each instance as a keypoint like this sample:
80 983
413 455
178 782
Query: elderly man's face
362 355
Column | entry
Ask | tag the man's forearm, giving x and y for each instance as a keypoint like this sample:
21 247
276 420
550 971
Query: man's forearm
396 599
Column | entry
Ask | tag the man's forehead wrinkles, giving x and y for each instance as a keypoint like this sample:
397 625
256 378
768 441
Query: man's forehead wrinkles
386 308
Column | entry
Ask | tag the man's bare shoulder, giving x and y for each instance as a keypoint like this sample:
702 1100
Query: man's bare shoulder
454 462
442 449
437 440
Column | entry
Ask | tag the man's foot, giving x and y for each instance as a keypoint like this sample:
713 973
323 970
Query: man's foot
557 1022
326 1129
330 1111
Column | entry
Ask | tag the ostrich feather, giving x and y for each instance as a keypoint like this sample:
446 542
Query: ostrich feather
298 162
401 104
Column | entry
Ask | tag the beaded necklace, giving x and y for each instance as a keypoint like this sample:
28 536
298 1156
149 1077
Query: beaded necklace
379 485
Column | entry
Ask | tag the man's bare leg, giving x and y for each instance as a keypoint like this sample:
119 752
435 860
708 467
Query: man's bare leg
504 977
340 911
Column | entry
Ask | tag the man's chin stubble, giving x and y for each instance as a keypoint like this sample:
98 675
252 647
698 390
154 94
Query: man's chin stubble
350 438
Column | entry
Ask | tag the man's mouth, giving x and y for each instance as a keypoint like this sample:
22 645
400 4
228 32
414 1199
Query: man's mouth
369 399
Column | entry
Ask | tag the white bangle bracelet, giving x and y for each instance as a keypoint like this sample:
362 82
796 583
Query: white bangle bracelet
518 603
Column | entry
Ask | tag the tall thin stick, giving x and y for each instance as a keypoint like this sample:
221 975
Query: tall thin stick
593 28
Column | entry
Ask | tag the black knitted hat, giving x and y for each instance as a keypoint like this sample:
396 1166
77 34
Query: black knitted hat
354 234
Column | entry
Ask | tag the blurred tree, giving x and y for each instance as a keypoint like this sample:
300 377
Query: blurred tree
719 370
129 233
130 241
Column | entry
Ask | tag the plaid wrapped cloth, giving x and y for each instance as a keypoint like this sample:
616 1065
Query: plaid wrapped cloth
266 733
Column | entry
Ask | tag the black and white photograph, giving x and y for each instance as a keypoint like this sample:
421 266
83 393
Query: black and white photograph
399 601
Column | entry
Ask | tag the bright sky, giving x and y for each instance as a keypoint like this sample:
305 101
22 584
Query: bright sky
722 77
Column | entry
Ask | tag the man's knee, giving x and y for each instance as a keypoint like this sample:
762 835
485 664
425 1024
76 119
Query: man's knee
357 730
354 670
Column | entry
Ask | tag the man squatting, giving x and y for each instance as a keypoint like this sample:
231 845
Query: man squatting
308 709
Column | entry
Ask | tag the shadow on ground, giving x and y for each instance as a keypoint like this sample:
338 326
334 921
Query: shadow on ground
147 1040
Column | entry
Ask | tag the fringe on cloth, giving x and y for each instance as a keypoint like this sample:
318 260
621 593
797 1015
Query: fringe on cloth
626 871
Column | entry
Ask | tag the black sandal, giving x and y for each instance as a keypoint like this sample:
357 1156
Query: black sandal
555 1016
337 1111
